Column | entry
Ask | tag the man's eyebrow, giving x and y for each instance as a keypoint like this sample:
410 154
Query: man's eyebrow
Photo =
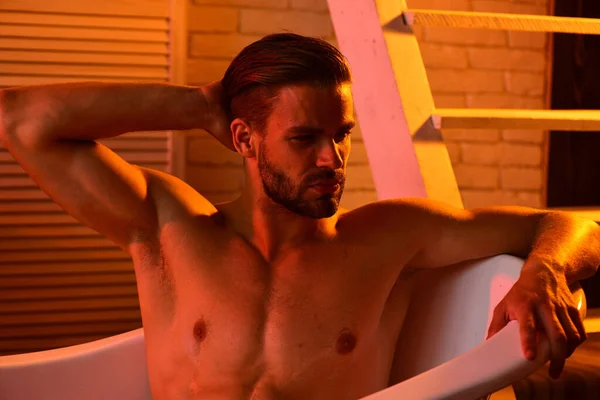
346 126
307 129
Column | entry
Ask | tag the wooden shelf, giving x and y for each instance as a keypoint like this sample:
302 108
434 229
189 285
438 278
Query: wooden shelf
501 21
559 120
590 212
592 320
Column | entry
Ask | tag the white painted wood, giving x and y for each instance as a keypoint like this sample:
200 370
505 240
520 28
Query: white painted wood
502 21
473 118
393 102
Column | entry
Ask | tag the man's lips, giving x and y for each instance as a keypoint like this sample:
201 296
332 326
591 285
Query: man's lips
325 182
329 186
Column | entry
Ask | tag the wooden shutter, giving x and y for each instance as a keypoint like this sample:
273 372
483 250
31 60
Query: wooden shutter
62 283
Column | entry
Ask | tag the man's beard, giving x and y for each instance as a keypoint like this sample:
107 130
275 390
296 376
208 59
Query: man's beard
280 188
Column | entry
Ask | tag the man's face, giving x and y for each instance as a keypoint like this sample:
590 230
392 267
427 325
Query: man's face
302 157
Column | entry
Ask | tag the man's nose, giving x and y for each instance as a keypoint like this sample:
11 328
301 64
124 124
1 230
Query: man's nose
330 156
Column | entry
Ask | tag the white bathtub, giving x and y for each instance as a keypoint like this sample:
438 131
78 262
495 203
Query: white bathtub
443 339
109 369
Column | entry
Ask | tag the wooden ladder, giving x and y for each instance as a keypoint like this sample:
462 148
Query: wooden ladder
393 101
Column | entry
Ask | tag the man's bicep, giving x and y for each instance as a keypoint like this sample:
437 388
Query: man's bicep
438 230
93 184
462 235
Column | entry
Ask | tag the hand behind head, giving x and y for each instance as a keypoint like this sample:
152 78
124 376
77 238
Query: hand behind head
216 119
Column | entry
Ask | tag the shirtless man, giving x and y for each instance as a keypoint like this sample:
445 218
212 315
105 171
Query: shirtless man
279 294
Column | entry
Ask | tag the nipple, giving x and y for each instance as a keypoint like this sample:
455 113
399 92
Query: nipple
346 342
200 330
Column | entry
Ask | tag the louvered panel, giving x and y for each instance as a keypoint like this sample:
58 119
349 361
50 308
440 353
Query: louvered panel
135 157
74 292
45 231
103 71
43 205
62 268
62 283
119 35
17 244
85 58
65 268
20 195
70 304
16 182
36 318
98 46
106 328
10 80
84 21
28 281
33 219
67 255
26 345
8 167
109 60
136 8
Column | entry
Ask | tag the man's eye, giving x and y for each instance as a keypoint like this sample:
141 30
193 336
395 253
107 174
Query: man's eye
304 138
341 136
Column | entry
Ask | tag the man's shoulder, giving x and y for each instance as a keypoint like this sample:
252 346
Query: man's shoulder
390 228
171 193
379 219
398 218
391 209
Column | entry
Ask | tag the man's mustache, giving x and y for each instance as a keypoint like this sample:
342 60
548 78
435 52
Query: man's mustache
326 175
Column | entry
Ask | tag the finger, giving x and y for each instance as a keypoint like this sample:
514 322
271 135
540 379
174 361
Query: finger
527 327
557 340
499 321
570 330
578 321
556 368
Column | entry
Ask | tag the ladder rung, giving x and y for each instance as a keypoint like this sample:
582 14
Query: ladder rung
591 323
558 120
501 21
589 212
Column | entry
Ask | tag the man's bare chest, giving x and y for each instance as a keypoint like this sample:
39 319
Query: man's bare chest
301 304
314 310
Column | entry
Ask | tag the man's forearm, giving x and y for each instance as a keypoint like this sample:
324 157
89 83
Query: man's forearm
570 242
91 110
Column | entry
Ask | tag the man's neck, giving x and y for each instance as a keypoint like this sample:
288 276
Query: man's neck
272 228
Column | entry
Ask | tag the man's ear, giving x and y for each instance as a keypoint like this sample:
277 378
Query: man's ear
243 139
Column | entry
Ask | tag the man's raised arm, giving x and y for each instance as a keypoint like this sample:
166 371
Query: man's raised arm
51 131
559 249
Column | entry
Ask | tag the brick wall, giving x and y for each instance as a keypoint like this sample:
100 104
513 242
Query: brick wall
466 68
490 69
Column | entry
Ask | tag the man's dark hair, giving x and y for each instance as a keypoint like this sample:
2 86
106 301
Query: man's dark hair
252 80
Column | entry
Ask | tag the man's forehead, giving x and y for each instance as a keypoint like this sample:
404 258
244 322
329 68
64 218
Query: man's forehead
309 102
298 92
